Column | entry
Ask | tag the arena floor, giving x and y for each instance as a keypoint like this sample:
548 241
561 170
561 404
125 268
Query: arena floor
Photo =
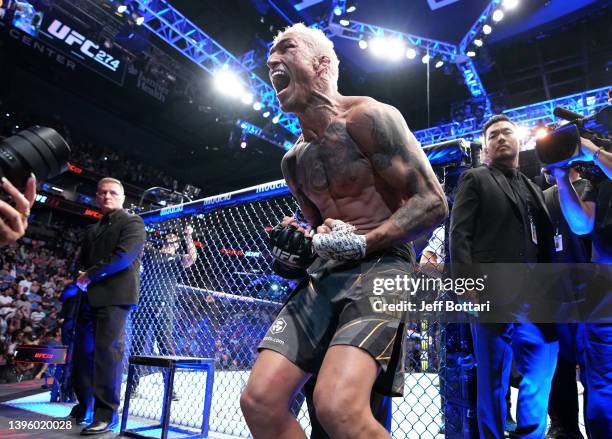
27 402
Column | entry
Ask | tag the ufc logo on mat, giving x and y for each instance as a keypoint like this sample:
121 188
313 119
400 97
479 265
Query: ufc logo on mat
284 256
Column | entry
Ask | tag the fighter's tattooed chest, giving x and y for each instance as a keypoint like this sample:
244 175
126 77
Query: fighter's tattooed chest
334 164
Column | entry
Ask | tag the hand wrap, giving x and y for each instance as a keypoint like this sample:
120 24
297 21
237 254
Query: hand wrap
342 244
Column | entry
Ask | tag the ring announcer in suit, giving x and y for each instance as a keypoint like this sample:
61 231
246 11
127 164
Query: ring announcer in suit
500 217
110 261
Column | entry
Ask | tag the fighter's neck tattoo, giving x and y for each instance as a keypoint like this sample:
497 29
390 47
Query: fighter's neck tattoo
317 116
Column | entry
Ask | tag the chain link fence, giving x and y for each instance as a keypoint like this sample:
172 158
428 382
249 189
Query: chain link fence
207 290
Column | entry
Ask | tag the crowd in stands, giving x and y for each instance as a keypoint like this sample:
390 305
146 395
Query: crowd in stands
108 162
35 271
33 276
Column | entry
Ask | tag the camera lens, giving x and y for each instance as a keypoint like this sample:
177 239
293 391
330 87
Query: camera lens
37 149
559 146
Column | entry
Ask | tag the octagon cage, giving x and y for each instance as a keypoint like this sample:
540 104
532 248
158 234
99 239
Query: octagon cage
208 291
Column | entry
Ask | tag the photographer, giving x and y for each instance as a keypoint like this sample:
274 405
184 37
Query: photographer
593 215
14 220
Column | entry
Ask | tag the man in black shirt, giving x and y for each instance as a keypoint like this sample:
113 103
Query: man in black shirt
570 248
593 215
499 216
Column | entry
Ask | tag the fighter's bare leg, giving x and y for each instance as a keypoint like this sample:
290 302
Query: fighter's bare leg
265 401
342 394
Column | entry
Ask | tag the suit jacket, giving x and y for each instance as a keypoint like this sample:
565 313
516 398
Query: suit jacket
110 254
488 227
486 221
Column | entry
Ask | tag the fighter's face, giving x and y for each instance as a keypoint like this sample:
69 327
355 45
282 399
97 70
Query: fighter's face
292 73
501 142
110 197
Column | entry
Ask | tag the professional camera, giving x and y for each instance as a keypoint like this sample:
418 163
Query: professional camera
450 158
37 150
561 148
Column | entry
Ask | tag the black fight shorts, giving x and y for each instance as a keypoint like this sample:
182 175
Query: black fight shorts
334 305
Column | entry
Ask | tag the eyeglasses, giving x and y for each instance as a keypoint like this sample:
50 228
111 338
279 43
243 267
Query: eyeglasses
111 193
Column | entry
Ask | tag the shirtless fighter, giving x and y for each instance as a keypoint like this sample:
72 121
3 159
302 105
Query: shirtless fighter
363 182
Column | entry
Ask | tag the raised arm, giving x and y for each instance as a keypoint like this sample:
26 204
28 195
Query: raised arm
396 156
191 256
579 214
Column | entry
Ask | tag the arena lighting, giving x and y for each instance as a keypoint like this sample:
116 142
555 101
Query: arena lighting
243 144
247 99
227 82
583 102
522 132
140 21
344 22
266 114
363 44
338 11
439 64
510 4
425 59
377 46
478 42
541 132
498 15
352 8
487 29
121 8
471 53
395 49
257 106
275 119
411 53
392 49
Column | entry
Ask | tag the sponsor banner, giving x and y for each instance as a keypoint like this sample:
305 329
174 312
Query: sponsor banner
259 192
62 39
66 36
152 86
67 206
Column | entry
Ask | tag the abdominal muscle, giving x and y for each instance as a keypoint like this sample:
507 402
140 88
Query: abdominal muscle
365 212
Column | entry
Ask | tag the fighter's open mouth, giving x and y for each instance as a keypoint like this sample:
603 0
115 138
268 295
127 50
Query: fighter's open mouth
280 80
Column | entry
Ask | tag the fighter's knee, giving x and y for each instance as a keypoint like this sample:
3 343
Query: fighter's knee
336 411
250 402
256 401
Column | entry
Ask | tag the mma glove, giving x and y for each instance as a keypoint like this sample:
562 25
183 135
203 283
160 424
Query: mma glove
341 244
292 251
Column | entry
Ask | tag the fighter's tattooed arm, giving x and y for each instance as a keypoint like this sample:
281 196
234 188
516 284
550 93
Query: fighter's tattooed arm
309 210
396 156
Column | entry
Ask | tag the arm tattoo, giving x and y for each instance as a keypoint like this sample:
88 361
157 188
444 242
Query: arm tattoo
389 138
